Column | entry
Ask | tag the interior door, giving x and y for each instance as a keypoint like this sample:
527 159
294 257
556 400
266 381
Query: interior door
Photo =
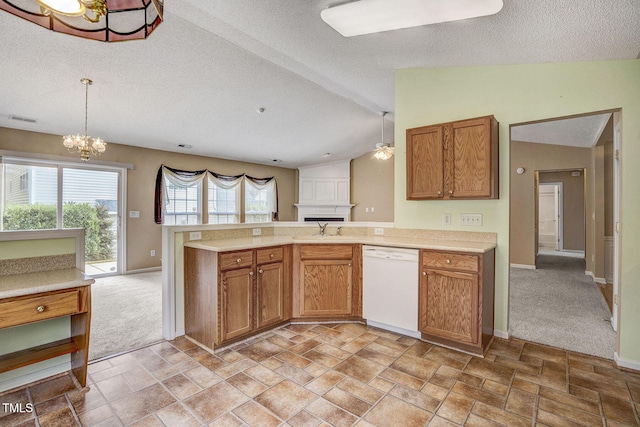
548 213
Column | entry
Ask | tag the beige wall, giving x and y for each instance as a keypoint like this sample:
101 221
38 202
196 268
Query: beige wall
573 207
143 234
532 157
372 187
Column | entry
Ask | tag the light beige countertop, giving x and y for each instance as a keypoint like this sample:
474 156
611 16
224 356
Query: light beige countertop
43 281
390 241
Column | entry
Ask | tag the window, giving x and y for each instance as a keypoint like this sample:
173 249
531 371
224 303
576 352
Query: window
259 200
223 200
182 204
179 198
25 207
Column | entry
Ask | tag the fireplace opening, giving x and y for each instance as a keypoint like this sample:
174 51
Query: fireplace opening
323 219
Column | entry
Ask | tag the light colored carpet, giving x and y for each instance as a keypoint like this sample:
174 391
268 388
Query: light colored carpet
126 313
559 305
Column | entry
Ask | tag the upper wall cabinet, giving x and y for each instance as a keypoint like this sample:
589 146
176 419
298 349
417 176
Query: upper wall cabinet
456 160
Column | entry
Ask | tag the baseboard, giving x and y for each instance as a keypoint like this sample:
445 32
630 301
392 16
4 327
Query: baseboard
501 334
595 279
144 270
34 376
626 364
523 266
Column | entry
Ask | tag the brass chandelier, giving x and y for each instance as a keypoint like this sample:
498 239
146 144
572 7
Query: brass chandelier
84 144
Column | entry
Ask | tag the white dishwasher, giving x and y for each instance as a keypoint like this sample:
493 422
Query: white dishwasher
390 288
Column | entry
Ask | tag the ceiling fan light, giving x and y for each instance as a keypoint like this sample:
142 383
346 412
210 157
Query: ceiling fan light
64 7
374 16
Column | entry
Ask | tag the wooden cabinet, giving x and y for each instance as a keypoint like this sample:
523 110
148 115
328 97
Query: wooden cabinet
237 301
328 281
270 294
232 295
456 299
456 160
74 302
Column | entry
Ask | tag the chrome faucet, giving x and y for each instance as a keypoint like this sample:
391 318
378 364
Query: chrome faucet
338 231
322 227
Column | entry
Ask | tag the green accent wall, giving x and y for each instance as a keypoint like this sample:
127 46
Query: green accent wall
517 94
15 249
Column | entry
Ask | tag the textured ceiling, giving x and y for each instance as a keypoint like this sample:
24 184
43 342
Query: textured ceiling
583 132
201 76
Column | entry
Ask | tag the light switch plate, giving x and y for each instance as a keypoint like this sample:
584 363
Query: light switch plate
195 235
471 219
134 214
378 231
257 231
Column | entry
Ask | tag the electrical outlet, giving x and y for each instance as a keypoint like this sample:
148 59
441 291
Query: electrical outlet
153 252
471 219
366 209
446 219
134 214
195 235
257 231
378 231
373 209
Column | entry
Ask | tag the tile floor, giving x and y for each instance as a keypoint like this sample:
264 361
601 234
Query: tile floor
337 375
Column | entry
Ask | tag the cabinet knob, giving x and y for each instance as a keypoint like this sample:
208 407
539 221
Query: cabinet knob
439 193
251 273
272 255
40 308
239 260
349 264
448 261
261 271
424 273
450 191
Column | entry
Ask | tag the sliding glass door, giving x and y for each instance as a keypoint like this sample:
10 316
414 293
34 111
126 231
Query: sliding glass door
90 201
41 195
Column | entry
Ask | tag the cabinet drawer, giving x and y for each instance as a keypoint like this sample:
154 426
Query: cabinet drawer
451 261
326 251
36 308
232 260
267 255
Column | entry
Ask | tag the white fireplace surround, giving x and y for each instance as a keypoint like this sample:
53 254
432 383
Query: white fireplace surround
324 191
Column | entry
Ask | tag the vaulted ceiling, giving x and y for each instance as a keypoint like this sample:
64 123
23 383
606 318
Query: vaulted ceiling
201 77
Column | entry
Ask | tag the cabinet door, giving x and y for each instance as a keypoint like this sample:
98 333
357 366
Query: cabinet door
449 305
270 294
325 287
236 303
425 162
471 157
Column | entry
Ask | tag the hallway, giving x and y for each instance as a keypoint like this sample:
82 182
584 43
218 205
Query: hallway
559 305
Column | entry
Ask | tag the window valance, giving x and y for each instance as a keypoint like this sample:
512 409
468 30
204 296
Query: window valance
184 178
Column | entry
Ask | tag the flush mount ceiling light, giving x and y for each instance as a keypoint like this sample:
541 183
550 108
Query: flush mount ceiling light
383 150
84 144
104 20
374 16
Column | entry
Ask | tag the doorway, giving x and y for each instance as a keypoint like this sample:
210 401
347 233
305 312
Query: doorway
579 147
47 194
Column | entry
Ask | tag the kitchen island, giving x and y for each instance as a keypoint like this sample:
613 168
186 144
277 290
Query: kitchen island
239 287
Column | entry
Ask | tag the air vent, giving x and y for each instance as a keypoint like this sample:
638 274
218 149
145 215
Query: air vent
22 119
